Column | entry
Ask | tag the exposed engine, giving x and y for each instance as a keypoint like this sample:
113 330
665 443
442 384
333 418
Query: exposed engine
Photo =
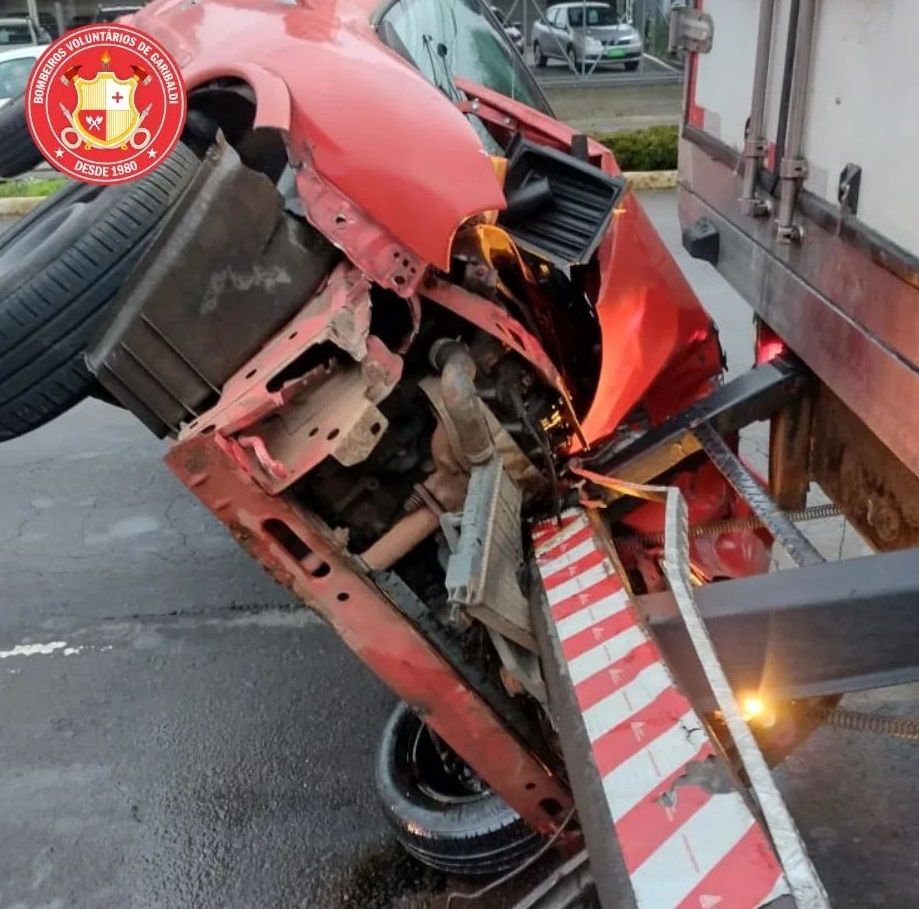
384 405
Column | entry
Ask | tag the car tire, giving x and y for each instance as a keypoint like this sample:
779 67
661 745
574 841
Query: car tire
539 56
631 66
60 267
442 813
18 152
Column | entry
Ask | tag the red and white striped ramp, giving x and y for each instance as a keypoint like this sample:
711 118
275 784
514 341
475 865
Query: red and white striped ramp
662 811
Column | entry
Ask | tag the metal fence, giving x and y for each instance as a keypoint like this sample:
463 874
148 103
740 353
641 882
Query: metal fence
650 19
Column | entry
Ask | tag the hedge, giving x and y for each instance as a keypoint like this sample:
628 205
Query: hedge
38 187
653 148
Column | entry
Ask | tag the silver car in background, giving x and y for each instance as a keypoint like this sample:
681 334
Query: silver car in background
16 64
591 32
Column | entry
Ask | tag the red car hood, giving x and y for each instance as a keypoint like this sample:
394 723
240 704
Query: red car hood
408 169
370 124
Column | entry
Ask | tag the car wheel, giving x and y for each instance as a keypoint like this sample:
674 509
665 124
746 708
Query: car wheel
17 150
631 66
572 55
540 57
59 268
441 811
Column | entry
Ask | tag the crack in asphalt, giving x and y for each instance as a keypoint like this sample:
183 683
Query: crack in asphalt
31 466
216 609
167 516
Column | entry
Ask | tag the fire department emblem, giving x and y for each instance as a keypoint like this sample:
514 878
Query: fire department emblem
105 104
106 115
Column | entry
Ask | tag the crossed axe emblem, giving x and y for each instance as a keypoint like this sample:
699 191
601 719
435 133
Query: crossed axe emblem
139 136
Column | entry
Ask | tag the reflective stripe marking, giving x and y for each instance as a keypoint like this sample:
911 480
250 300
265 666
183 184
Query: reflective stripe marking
681 863
573 569
600 632
685 844
633 779
662 811
579 584
593 613
572 523
604 655
759 883
567 548
624 703
611 676
605 587
638 730
723 888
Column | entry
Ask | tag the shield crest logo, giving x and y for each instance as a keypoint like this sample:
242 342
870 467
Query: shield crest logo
105 115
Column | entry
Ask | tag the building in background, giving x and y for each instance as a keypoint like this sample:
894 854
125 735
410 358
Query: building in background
57 16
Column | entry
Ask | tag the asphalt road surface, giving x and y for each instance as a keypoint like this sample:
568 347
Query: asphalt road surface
651 71
175 733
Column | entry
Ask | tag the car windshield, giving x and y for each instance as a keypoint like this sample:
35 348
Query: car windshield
13 76
596 15
446 39
13 33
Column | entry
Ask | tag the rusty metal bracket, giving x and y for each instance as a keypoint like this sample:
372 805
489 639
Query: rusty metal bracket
390 263
789 453
753 396
491 318
301 554
287 431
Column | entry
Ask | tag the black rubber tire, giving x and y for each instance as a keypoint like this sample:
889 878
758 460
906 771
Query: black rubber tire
60 267
17 150
539 56
631 66
474 836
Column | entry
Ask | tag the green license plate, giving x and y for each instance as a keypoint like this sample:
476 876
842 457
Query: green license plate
615 52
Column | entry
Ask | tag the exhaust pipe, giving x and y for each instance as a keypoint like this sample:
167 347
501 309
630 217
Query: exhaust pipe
461 400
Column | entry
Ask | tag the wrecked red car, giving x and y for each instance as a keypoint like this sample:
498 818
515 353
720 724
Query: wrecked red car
390 311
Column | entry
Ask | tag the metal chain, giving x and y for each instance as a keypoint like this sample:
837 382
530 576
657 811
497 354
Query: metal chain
799 548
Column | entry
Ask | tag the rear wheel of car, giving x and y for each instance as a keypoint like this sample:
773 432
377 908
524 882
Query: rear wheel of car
60 267
539 56
17 150
631 66
443 814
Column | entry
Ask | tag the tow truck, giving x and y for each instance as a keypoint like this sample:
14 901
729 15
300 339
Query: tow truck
435 372
785 188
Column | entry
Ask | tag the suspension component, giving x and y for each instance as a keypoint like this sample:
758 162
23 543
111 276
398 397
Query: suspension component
858 721
728 525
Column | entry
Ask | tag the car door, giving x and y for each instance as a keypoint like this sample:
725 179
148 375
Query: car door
556 40
14 73
540 29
